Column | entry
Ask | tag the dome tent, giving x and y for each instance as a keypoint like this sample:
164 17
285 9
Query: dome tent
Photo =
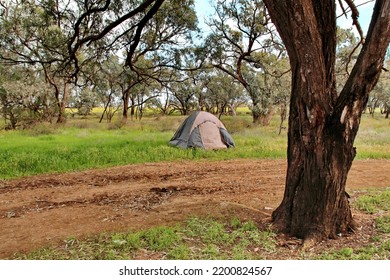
202 130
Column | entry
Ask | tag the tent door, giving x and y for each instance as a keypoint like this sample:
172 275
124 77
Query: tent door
211 137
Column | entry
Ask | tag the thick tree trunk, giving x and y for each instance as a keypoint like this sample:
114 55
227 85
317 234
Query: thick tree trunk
315 204
322 125
255 117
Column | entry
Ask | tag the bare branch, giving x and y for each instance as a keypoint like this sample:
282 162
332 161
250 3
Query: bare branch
355 16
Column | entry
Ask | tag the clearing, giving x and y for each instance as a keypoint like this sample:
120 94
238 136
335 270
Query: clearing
44 210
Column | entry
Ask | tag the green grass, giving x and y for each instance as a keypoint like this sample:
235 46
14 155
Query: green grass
83 144
373 139
374 202
197 238
378 204
383 224
375 251
76 149
86 144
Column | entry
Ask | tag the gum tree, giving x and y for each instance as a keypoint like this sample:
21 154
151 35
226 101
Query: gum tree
34 34
323 123
63 37
239 42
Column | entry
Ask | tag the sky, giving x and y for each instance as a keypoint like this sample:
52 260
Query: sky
204 9
365 12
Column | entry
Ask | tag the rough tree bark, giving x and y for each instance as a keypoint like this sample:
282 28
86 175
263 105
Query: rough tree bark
322 123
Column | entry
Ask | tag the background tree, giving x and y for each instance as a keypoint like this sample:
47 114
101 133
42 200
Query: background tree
222 94
183 96
154 36
25 98
106 81
323 123
347 49
163 104
35 33
238 43
64 37
161 48
380 97
269 85
84 100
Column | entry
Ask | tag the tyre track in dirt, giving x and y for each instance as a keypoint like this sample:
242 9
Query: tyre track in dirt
43 210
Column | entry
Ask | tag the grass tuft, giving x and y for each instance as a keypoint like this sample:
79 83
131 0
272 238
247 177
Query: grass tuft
373 202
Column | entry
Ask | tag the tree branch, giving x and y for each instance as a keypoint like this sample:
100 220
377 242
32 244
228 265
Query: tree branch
138 32
368 66
355 16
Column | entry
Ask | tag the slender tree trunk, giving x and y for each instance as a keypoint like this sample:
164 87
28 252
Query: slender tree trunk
125 112
232 110
256 116
372 111
13 120
105 111
132 108
322 124
62 103
283 115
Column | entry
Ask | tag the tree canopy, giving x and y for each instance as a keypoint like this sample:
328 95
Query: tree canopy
72 45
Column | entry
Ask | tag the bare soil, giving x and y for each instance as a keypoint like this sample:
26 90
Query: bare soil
44 210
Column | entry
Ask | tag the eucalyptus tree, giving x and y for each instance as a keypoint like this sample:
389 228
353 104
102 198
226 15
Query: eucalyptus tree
36 33
222 93
323 123
105 78
25 98
281 81
183 95
162 105
347 49
84 100
64 36
380 97
270 86
152 35
240 38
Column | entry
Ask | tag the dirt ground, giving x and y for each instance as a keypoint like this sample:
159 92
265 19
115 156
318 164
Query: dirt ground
44 210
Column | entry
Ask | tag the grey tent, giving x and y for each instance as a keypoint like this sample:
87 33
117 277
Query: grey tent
202 130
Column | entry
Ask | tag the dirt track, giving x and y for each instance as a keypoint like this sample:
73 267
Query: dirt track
44 210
